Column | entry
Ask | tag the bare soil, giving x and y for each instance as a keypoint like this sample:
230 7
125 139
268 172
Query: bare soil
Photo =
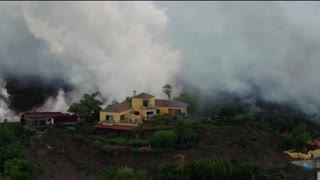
61 155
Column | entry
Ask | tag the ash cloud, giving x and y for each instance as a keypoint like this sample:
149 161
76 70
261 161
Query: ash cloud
268 50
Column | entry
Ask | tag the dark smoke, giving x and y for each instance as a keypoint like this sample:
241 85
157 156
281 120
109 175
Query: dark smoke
27 92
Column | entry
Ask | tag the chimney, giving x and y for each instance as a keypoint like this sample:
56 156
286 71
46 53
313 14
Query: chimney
134 93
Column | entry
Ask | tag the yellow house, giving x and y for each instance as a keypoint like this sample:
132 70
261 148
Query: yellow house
141 108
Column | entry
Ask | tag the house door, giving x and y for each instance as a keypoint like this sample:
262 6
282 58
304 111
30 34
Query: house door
172 112
122 117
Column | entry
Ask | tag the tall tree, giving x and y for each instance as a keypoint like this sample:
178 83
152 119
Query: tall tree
167 89
128 99
88 107
194 103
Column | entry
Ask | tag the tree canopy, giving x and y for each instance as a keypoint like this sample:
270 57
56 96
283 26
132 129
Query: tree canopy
194 103
88 107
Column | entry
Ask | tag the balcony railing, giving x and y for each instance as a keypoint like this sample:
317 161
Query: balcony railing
148 117
130 121
108 121
147 107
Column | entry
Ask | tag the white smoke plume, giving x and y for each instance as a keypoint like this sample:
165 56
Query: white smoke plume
110 47
5 112
266 49
231 46
55 104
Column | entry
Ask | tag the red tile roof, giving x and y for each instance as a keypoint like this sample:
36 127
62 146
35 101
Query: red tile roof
169 103
143 95
124 106
117 127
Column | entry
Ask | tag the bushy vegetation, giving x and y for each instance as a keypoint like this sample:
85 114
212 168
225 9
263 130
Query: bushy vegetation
297 138
187 131
18 169
193 101
161 118
113 173
138 142
211 169
231 109
208 169
164 138
84 127
246 170
30 132
13 160
243 119
117 140
172 171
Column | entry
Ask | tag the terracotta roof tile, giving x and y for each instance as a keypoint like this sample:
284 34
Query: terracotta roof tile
169 103
143 95
124 106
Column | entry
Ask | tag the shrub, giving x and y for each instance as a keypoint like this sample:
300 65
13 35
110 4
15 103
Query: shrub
7 134
97 144
172 171
187 130
164 138
125 173
208 169
84 127
165 118
11 151
30 132
59 125
231 109
138 142
243 118
18 169
246 170
117 140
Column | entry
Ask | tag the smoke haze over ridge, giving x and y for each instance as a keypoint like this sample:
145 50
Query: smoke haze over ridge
265 49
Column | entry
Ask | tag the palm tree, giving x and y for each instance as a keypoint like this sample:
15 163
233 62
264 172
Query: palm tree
167 89
88 107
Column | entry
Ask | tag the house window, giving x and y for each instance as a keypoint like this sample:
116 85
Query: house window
178 112
145 102
136 112
158 111
150 113
109 117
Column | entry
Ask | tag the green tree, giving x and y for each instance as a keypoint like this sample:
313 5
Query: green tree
194 103
128 99
18 169
167 89
114 102
87 108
